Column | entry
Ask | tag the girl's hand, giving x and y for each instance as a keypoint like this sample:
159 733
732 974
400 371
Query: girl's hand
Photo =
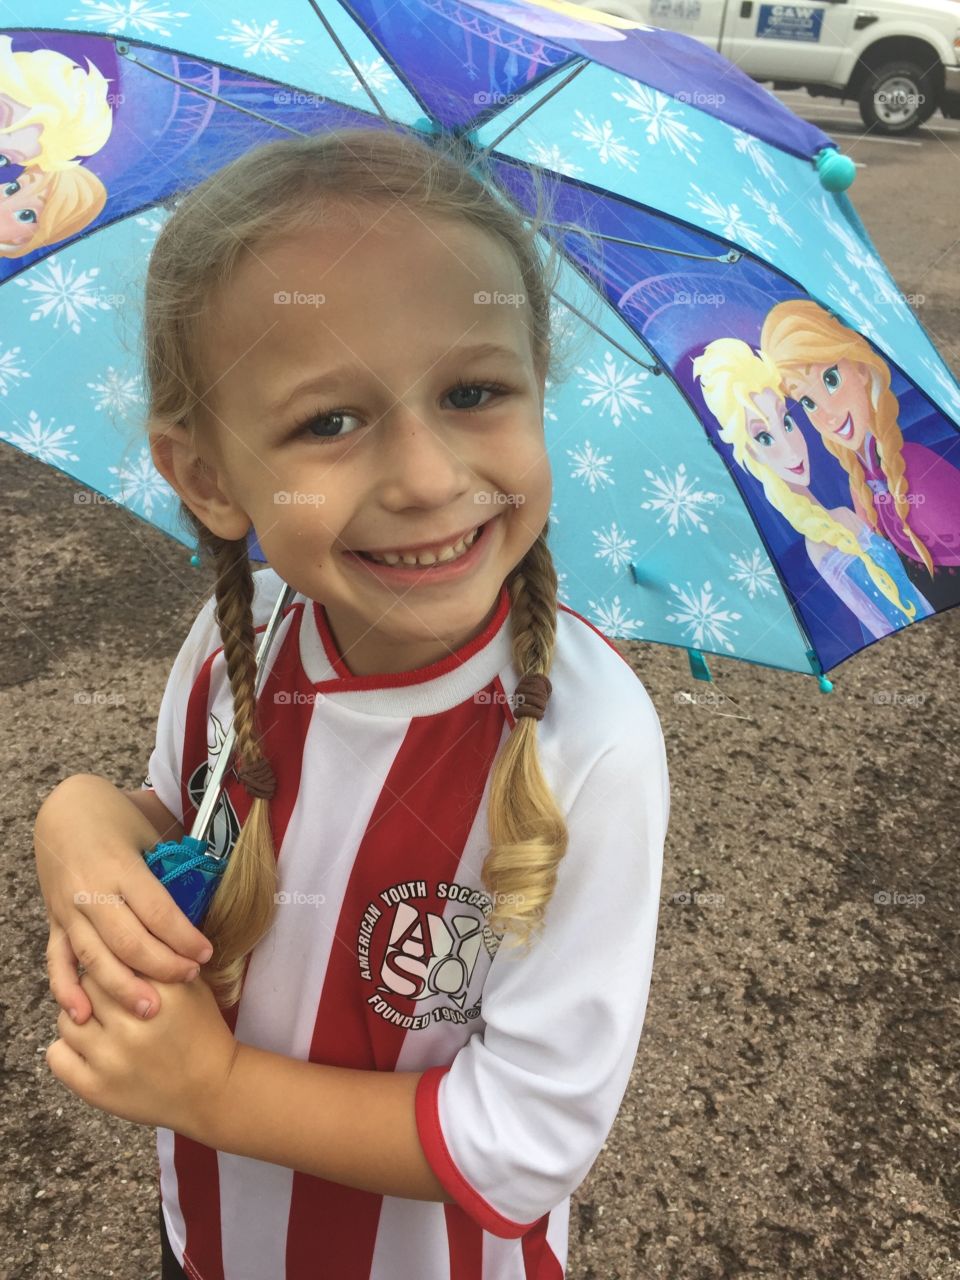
171 1070
106 908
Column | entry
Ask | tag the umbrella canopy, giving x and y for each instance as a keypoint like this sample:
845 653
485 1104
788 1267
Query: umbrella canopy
756 453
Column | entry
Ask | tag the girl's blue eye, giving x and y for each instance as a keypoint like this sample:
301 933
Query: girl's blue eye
807 403
26 215
831 378
11 188
494 388
764 438
788 422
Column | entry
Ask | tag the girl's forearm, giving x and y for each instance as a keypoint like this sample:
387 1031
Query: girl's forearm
354 1127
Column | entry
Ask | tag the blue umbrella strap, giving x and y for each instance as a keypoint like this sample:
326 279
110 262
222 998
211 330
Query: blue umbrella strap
188 872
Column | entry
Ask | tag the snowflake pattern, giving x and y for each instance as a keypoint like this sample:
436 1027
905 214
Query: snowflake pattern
62 294
552 158
617 389
614 546
747 145
601 138
754 573
377 74
771 209
152 224
116 392
701 616
729 219
11 369
142 17
255 38
676 499
46 443
590 466
662 119
140 485
613 620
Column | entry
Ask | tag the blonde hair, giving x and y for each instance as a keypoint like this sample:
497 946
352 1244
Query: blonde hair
730 371
224 216
68 101
72 199
801 333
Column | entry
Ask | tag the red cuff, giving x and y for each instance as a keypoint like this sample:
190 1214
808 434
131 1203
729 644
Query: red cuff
448 1175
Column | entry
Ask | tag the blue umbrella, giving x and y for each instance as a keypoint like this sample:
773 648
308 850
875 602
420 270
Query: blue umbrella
756 453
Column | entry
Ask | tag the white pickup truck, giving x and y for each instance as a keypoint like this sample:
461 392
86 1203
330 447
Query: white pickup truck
898 59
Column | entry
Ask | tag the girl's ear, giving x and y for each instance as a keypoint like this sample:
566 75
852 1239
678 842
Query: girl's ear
197 482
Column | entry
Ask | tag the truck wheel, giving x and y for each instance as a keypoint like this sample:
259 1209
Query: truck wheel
897 97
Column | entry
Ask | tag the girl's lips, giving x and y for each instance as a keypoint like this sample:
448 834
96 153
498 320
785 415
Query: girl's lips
419 574
799 469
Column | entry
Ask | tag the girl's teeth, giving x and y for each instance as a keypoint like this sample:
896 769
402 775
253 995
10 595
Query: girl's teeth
428 557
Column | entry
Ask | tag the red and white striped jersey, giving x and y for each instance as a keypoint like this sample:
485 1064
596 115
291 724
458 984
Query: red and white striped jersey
380 956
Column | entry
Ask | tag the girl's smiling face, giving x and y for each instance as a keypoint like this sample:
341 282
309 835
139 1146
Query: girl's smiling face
836 399
775 439
388 453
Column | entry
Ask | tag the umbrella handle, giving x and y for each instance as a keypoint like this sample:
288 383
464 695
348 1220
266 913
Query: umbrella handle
188 872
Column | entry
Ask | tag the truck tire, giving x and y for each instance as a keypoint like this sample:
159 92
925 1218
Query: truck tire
897 97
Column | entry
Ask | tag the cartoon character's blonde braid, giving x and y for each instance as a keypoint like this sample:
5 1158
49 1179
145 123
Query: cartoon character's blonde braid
528 833
242 908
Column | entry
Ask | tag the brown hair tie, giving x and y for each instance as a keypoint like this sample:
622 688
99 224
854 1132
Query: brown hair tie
258 778
533 692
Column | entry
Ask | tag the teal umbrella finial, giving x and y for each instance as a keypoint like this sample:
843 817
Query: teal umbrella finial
836 171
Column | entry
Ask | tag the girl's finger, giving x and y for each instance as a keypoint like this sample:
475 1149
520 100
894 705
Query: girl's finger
128 922
155 907
62 973
117 979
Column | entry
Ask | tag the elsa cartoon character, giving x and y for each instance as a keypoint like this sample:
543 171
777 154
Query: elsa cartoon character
51 109
744 392
901 489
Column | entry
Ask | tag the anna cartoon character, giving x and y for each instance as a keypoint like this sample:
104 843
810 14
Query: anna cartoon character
903 489
743 390
51 111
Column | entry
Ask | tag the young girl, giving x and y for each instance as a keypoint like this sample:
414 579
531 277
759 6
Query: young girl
386 1085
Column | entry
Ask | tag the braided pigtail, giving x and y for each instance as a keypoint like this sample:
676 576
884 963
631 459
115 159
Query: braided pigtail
528 833
242 908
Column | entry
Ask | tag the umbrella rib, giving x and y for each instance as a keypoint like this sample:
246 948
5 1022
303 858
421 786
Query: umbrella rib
584 63
652 368
353 66
731 256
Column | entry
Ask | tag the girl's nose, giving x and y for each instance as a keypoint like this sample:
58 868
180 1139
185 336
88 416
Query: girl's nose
420 459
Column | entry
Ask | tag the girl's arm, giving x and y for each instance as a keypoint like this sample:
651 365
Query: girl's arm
358 1128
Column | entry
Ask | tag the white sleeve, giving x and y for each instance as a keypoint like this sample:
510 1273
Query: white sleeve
513 1125
166 761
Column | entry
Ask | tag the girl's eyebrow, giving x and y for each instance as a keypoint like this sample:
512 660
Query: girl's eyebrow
334 377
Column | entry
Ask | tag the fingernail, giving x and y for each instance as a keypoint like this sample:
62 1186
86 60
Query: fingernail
192 974
143 1008
73 1014
205 955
